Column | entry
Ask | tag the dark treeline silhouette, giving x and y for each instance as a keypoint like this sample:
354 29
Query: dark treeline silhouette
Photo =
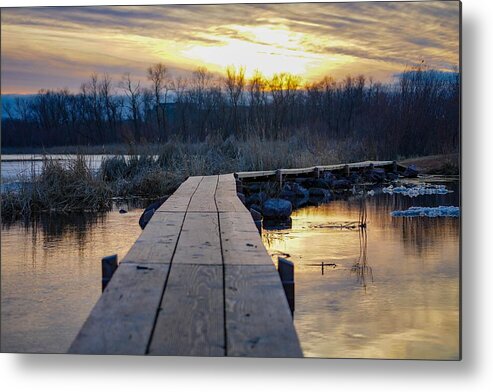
417 114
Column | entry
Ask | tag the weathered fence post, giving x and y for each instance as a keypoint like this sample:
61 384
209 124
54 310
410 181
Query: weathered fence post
286 273
346 170
109 265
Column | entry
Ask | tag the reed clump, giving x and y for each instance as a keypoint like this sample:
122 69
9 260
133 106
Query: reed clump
61 187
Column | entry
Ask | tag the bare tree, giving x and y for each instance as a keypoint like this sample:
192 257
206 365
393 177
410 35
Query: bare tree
133 93
157 74
201 97
235 84
258 102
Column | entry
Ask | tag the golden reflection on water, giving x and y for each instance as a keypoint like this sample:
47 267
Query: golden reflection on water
394 289
51 275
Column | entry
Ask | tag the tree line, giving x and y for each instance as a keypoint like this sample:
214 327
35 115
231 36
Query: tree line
418 113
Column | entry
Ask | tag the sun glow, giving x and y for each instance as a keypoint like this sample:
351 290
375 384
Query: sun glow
269 49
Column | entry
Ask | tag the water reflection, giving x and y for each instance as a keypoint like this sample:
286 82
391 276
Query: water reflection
392 290
51 274
361 268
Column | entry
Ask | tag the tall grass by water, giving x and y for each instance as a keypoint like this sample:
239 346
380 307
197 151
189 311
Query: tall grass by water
156 171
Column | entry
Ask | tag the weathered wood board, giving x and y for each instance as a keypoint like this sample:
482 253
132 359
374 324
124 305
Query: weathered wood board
226 195
241 242
123 319
253 330
180 200
191 315
199 240
158 241
203 198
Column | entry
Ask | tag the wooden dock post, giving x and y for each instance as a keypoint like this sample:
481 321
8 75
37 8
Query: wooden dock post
286 273
347 170
317 172
394 167
109 264
279 177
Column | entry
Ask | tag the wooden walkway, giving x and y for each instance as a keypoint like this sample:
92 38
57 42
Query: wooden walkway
198 281
312 169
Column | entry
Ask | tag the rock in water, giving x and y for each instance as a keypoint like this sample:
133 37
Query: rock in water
277 209
376 175
411 172
149 212
392 176
324 194
256 198
328 177
319 196
341 184
295 193
256 207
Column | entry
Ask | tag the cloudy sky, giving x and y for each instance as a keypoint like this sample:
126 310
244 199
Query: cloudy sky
61 47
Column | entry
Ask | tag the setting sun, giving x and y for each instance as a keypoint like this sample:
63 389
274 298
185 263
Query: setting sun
268 49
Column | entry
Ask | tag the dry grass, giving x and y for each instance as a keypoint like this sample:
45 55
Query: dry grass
158 170
59 187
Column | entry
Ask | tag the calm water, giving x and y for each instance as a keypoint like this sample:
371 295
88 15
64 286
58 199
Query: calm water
394 289
402 301
51 276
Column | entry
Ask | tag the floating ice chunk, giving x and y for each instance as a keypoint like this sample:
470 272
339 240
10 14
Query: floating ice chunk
430 212
424 189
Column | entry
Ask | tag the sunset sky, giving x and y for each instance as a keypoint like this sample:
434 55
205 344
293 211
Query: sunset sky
61 47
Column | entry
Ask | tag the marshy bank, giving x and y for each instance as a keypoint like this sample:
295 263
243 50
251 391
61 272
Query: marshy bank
75 183
57 183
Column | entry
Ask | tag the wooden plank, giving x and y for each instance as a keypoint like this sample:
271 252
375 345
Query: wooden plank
179 201
157 242
122 320
203 198
268 173
191 318
226 195
240 240
199 241
252 174
229 203
298 171
258 318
